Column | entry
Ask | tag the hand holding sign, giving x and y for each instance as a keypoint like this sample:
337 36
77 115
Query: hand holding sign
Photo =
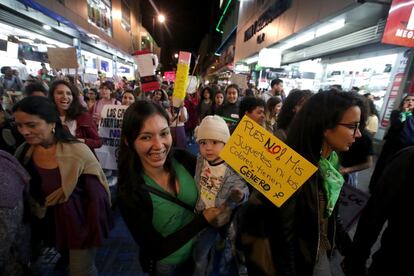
265 162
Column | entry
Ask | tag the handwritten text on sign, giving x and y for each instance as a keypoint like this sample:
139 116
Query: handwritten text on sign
265 162
109 130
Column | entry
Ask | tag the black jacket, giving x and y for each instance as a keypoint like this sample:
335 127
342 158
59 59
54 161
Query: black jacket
392 202
305 205
136 208
291 230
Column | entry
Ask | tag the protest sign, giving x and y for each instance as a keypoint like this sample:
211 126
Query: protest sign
109 130
181 78
352 202
60 58
240 80
192 84
265 162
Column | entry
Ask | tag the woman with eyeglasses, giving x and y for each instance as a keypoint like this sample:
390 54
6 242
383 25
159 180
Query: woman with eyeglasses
106 97
401 126
360 155
327 124
306 227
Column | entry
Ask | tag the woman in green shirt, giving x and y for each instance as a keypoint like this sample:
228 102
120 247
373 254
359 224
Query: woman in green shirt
164 230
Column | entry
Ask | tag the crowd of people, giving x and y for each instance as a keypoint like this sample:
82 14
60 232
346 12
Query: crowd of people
195 215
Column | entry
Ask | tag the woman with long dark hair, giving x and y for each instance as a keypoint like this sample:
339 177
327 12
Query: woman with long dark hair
164 226
73 115
297 239
328 123
69 195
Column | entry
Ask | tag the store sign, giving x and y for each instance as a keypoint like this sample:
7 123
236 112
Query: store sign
399 29
395 88
273 12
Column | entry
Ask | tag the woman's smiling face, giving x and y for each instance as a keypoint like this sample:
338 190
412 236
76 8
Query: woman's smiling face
153 142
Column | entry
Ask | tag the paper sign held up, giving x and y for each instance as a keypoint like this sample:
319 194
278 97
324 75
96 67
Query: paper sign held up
181 78
60 58
265 162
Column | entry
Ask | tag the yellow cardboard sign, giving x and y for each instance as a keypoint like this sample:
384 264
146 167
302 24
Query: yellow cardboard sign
264 161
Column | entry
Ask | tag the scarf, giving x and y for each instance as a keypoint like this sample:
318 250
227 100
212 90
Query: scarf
74 159
404 115
332 180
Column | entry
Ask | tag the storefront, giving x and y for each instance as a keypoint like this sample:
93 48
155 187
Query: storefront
32 47
28 38
320 46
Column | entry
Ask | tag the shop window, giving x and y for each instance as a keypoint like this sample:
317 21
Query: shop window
99 14
3 45
29 52
126 16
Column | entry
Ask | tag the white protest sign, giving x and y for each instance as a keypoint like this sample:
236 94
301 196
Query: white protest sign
109 130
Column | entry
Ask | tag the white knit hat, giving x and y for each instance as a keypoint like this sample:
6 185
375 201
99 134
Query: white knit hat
214 128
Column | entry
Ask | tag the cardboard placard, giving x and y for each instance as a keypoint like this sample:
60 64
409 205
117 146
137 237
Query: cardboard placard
240 80
265 162
60 58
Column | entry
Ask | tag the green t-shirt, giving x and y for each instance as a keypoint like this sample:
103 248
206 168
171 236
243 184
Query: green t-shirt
169 217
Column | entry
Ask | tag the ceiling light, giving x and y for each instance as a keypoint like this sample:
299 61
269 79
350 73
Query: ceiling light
297 40
330 27
46 27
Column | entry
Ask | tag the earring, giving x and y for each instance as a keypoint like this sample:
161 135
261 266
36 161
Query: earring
53 130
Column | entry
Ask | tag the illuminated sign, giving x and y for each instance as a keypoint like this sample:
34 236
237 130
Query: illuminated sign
399 29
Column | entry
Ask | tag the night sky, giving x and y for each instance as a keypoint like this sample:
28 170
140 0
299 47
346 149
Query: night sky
187 21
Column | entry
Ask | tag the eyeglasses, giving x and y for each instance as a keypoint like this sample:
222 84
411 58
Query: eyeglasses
353 126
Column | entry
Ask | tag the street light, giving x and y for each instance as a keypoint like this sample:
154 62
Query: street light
161 18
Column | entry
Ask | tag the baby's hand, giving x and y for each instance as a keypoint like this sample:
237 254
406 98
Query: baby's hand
236 195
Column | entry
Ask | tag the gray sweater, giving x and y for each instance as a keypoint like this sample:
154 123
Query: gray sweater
231 180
